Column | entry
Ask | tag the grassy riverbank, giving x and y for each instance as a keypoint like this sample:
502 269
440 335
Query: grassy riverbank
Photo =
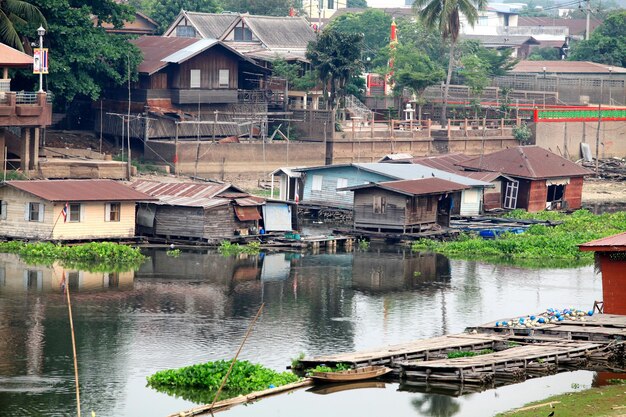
540 245
595 402
105 256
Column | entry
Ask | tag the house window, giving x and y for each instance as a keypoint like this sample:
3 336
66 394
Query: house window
3 210
483 20
379 204
185 32
243 34
113 212
33 279
331 4
34 212
342 183
194 78
224 78
429 203
74 212
317 183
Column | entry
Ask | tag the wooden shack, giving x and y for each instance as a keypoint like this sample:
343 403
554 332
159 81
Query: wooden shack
407 206
197 211
68 209
611 256
541 179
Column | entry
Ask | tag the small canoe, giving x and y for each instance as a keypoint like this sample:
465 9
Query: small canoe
358 374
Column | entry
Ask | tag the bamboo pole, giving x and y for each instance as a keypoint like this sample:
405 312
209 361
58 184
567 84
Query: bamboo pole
217 394
69 309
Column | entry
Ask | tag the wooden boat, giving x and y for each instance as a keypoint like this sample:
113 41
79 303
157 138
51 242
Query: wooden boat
357 374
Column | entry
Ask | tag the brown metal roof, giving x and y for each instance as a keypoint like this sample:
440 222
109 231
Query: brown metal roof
566 67
182 189
155 48
247 213
421 186
531 162
11 57
79 190
446 162
575 26
615 243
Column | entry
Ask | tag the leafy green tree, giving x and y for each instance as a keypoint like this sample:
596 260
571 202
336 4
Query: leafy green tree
293 73
15 13
413 70
336 57
424 39
357 4
374 24
547 53
85 59
606 45
496 61
445 15
474 73
164 12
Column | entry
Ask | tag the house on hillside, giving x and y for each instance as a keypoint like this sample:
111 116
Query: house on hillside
542 179
325 186
611 256
409 206
207 211
68 209
179 77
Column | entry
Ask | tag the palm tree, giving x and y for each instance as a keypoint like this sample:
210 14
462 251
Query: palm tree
445 16
14 13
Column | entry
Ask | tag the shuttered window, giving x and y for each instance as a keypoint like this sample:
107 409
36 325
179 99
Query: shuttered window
316 185
113 212
34 212
379 204
224 78
194 78
74 214
3 210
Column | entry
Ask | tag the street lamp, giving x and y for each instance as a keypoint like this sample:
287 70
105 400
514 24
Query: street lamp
41 31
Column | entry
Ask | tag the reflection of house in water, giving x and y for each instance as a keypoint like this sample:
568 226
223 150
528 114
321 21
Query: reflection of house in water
276 267
385 273
17 276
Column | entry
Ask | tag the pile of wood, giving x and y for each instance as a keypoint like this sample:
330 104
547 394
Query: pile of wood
611 168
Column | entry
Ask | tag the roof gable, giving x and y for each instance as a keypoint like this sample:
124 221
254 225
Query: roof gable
79 190
11 57
206 25
531 162
289 33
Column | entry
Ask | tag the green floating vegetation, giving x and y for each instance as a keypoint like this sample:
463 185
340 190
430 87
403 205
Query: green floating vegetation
337 368
92 256
228 248
467 353
199 383
540 246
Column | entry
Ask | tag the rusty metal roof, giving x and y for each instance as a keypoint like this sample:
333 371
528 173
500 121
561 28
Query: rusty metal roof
532 162
79 190
565 67
446 162
202 202
247 213
182 189
615 243
423 186
11 57
155 48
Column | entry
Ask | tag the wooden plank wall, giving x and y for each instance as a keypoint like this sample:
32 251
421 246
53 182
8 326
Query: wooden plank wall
574 193
179 221
209 63
537 195
394 212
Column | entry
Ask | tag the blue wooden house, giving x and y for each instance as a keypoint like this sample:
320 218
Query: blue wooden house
324 186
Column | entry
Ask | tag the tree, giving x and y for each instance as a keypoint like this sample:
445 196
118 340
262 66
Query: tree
607 44
15 13
546 53
357 4
84 59
474 73
261 7
424 39
164 12
336 57
495 61
445 15
292 73
374 24
415 71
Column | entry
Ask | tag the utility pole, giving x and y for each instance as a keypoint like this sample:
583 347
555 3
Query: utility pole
588 11
598 138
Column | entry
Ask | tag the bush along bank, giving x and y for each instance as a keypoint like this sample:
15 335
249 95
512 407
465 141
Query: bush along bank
105 256
540 245
199 383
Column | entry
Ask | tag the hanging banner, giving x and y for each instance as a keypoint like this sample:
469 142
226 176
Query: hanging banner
40 61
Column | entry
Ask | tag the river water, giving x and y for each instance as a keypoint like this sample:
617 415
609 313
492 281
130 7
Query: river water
179 311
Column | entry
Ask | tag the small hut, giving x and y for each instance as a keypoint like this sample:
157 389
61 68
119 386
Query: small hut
408 206
611 256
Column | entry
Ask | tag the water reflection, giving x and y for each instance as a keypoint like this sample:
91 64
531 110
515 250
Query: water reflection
436 405
176 311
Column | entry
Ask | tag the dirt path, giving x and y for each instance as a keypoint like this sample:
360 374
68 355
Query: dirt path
603 191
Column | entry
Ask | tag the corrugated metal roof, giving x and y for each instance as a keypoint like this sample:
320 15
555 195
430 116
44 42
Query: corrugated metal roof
565 67
212 25
531 162
615 243
416 171
281 32
575 26
247 213
502 40
446 162
248 201
155 48
80 190
190 51
201 202
11 57
181 189
417 187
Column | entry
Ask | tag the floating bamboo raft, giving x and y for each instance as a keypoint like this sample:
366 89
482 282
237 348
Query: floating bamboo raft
513 364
